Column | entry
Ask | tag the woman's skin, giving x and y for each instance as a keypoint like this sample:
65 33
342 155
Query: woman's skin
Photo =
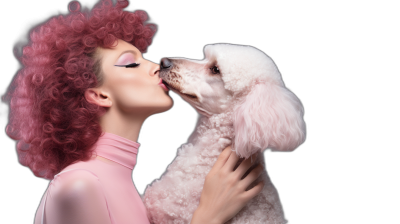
132 94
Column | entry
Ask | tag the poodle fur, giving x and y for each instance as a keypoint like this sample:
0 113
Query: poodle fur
242 100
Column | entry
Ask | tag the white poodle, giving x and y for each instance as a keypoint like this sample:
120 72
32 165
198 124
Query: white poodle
242 101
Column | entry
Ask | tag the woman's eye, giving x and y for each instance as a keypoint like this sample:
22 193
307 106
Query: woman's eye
132 65
215 70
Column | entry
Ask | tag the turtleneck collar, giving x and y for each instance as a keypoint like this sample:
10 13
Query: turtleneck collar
117 149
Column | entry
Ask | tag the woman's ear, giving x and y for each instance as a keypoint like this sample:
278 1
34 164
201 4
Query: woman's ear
270 117
98 97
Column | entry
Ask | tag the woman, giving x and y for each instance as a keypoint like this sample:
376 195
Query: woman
77 107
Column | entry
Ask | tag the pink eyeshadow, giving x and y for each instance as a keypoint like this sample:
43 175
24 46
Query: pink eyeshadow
126 59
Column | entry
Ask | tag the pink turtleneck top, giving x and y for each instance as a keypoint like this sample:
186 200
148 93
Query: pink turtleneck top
97 191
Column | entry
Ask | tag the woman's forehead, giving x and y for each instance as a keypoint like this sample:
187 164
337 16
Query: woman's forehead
119 48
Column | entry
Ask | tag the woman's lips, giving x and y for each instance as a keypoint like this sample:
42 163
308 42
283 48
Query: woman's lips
162 85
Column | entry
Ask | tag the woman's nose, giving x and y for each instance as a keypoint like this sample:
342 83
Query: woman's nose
155 69
165 63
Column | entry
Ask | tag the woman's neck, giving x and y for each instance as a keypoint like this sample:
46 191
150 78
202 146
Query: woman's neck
122 124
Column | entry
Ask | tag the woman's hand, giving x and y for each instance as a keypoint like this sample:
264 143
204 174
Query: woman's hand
224 194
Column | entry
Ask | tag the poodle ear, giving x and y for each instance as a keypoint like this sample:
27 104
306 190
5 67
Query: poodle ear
271 116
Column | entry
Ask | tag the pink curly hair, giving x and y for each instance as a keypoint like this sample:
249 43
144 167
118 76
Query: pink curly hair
49 118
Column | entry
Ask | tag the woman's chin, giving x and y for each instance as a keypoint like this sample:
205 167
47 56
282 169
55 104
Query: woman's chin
169 104
164 106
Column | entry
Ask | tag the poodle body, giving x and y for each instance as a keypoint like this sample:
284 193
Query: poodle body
240 96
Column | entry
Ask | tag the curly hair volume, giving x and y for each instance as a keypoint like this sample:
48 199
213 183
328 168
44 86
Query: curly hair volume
49 117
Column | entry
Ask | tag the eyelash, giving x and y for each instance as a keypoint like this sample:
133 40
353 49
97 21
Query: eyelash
133 65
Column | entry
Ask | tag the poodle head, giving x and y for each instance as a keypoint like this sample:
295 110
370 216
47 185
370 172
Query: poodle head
241 66
246 81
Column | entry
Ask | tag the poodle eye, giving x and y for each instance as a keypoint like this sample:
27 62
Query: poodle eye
215 70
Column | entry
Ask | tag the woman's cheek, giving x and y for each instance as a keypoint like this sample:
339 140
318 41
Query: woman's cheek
127 96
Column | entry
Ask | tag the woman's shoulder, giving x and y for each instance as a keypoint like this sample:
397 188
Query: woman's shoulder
74 185
76 194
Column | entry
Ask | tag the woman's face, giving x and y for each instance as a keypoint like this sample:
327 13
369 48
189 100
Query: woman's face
134 89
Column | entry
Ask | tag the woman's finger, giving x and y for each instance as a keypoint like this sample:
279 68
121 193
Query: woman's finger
222 158
252 176
243 167
247 195
231 162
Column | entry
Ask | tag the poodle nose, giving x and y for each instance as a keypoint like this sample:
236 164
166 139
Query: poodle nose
165 63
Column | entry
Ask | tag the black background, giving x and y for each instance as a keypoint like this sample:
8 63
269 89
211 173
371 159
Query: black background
305 41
